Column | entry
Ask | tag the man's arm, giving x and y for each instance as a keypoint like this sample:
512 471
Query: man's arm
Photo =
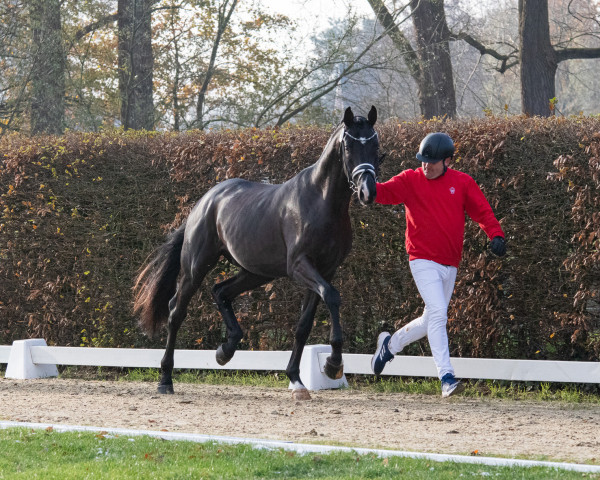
392 192
480 211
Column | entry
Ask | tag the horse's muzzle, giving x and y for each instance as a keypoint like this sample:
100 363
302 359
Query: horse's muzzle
366 189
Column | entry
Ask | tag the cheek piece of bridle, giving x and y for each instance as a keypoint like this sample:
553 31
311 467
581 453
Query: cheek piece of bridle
363 167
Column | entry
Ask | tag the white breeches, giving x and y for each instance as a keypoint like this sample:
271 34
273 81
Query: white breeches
435 283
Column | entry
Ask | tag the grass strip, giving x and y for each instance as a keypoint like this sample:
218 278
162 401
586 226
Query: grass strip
78 455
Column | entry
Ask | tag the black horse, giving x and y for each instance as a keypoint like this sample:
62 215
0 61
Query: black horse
300 229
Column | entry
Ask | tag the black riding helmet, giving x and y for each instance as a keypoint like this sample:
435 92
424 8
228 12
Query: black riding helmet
435 147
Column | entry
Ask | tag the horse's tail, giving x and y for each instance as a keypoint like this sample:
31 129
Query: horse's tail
156 283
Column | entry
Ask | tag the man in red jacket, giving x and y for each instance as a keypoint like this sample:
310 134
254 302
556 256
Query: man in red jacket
436 199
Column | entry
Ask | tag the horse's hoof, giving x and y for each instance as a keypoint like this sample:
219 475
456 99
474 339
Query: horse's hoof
166 389
222 357
335 372
301 394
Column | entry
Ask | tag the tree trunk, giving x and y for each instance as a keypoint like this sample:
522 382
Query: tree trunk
176 75
436 87
538 59
430 65
48 71
136 64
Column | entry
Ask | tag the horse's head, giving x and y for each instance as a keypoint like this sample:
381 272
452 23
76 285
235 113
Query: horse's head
360 154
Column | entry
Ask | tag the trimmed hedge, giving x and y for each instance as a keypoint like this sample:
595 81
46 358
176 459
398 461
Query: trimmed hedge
80 213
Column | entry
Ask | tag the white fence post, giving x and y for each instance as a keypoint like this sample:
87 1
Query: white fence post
20 365
312 368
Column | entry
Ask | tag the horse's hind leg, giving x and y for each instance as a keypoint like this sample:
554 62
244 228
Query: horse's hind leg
224 293
193 272
178 310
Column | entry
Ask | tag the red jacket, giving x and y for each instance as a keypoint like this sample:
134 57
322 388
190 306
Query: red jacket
435 212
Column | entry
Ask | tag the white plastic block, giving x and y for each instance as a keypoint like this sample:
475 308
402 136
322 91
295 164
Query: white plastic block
312 371
20 365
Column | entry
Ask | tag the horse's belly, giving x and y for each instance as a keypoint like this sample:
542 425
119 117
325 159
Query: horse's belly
255 243
259 258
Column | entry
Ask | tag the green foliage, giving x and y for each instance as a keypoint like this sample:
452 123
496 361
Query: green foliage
80 213
247 62
184 33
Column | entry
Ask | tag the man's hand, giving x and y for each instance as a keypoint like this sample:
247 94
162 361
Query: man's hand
498 246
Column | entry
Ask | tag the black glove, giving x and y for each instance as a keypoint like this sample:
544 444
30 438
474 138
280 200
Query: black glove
498 246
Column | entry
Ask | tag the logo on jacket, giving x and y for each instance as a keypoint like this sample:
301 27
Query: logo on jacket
452 190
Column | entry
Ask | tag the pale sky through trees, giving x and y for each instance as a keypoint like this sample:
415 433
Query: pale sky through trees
316 14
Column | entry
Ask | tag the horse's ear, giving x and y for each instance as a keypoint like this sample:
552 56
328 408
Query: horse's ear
348 117
372 117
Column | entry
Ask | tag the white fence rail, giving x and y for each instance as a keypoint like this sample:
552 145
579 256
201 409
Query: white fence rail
33 359
4 353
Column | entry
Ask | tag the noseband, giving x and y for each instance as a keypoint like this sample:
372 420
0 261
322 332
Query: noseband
360 169
363 167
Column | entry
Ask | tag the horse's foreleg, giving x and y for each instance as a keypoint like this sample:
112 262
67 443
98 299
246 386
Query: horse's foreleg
305 273
334 367
309 307
224 293
177 312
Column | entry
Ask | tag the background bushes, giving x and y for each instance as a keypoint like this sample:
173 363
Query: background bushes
80 213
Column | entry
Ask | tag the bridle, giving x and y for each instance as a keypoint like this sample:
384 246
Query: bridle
361 168
362 140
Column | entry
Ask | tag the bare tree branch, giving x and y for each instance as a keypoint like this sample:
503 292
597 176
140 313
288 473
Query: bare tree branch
577 53
92 27
108 19
388 21
223 21
507 61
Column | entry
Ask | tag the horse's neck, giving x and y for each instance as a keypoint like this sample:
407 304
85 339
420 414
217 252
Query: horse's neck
328 173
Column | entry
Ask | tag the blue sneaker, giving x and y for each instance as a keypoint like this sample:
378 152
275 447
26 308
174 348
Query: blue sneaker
451 386
382 354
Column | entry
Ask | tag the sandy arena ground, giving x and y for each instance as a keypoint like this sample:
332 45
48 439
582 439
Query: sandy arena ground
549 431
